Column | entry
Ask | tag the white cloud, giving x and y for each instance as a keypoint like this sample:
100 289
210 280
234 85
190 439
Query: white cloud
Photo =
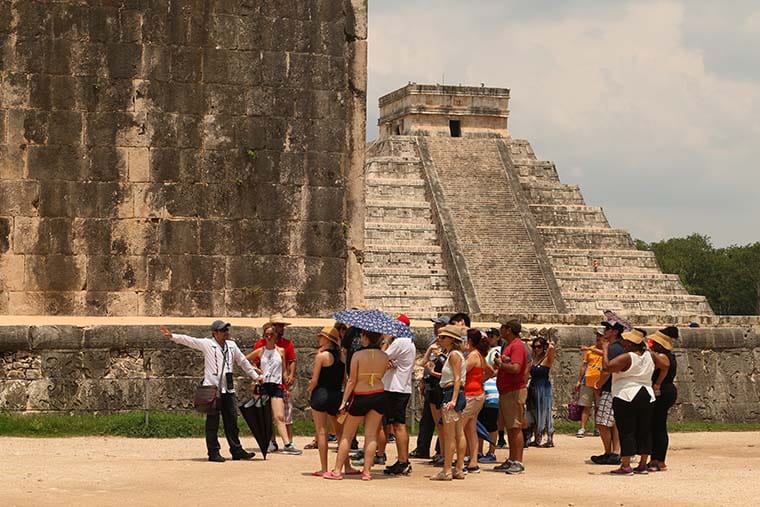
617 100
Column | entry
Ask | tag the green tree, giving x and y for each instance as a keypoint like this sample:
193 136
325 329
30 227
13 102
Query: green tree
728 277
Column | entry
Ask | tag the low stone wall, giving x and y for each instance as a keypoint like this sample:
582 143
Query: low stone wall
76 369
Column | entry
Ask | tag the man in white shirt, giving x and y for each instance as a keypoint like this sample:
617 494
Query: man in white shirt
398 389
219 354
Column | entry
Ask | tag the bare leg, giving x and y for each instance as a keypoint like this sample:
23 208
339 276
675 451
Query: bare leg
382 441
515 439
320 425
402 442
471 434
615 443
372 422
447 444
278 411
438 425
349 429
584 417
605 432
461 445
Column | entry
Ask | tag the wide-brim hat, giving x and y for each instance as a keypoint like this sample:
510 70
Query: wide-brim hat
277 318
634 336
452 332
663 339
331 334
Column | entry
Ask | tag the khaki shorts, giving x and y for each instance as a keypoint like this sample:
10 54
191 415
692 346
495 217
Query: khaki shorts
474 404
586 396
512 408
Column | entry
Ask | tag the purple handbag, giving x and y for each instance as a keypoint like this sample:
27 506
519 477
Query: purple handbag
574 411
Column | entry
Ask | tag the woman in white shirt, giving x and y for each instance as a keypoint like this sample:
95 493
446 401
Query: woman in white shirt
632 398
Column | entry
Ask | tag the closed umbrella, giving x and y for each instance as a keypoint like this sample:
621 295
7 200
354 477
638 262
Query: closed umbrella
257 413
483 432
375 321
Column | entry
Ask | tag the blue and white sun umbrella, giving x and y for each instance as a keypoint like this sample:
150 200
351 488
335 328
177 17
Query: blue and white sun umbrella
375 321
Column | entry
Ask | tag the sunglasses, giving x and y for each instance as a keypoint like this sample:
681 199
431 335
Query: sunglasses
537 346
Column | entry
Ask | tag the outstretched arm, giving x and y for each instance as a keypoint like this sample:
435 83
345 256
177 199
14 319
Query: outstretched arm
182 339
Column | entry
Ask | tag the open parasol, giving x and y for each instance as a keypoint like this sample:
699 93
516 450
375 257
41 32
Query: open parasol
375 321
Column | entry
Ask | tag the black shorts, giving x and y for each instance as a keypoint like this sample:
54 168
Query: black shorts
272 390
435 395
395 407
325 400
489 418
363 403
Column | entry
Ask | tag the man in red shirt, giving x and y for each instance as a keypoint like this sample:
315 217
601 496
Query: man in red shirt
512 386
278 323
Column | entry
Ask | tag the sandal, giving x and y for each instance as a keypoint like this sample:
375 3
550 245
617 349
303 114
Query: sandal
441 476
458 474
318 473
311 445
366 477
547 445
332 476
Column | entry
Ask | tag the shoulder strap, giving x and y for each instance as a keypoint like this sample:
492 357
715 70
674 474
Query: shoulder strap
221 370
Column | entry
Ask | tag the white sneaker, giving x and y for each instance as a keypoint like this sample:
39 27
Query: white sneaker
272 447
580 433
291 449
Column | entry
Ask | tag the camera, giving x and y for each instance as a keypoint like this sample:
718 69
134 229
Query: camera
230 384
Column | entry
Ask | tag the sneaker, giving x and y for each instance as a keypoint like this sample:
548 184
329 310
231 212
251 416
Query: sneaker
472 470
504 466
244 455
357 455
600 459
359 463
398 468
488 457
332 438
580 433
380 460
418 455
501 444
272 447
436 461
515 468
291 449
622 471
613 459
216 458
354 445
391 438
642 469
596 433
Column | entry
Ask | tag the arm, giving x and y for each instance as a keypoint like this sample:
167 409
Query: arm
256 354
319 359
662 363
471 361
456 365
550 354
620 363
242 361
291 376
581 374
182 339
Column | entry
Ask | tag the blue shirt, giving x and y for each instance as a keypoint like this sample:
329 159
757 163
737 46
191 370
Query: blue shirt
613 351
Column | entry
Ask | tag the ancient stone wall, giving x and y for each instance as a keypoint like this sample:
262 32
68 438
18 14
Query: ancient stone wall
71 369
180 158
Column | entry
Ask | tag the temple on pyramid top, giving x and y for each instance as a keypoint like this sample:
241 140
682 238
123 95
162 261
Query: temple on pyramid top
451 111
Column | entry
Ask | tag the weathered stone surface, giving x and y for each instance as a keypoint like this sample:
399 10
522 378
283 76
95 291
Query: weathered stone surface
144 130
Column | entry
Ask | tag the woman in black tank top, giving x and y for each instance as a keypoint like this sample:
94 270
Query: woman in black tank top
325 389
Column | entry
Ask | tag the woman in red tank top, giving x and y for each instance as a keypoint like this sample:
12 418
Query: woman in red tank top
477 372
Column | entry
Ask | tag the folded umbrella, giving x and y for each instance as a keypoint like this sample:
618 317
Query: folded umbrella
257 413
375 321
483 432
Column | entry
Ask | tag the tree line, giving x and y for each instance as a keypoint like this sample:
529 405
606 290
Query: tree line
728 277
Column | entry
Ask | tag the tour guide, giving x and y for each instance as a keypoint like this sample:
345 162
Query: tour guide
219 353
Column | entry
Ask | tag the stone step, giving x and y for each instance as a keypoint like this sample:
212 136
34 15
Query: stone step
579 237
638 283
568 215
536 170
374 182
394 278
417 309
399 232
520 149
415 191
552 193
638 304
402 169
402 212
608 260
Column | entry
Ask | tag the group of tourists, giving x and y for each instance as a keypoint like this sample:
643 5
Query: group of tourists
479 384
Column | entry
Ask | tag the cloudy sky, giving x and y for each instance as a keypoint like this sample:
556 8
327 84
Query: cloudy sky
652 107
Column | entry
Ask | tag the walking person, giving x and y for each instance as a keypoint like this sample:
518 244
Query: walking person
272 361
666 393
219 353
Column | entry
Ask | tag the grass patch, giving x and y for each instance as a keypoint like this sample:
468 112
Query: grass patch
183 425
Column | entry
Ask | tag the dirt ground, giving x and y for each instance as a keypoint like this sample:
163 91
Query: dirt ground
704 469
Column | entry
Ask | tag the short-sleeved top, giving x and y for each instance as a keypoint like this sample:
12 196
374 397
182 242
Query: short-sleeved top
507 382
614 350
284 344
489 386
593 362
402 353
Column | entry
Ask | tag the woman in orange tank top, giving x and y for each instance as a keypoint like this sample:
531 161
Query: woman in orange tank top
477 372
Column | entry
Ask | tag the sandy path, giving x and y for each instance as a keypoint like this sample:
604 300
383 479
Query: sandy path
705 469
